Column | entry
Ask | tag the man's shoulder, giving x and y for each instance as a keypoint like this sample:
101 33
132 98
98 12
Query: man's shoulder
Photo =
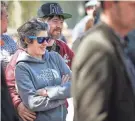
98 33
64 48
60 41
96 39
90 35
97 29
61 44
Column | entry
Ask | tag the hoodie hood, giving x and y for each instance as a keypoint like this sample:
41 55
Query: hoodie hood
25 57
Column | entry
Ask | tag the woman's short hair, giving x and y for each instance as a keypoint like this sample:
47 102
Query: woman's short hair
31 28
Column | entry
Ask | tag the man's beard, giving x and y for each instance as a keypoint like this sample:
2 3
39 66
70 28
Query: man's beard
55 36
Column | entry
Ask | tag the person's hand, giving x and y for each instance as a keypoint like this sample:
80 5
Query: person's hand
25 114
65 78
42 92
1 42
89 24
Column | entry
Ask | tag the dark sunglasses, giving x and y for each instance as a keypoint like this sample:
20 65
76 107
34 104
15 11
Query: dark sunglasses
40 40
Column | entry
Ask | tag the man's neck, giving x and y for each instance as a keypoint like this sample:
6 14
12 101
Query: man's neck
123 32
51 42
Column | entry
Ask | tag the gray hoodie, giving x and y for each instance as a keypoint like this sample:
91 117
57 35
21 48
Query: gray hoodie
32 74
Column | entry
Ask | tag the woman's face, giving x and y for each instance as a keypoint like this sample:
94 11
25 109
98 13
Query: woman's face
37 49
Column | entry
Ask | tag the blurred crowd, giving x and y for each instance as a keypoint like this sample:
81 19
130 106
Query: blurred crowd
45 63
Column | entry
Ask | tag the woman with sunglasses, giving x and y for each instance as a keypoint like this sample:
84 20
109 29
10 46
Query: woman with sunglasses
39 74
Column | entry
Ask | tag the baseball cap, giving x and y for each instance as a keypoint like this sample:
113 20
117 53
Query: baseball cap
91 3
50 9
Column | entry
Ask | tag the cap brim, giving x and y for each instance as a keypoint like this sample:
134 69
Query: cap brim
65 15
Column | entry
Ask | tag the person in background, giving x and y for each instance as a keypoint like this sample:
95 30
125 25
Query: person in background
8 112
53 14
79 28
89 25
76 44
42 77
8 46
103 81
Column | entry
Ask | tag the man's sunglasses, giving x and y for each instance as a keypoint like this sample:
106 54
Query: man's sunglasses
40 40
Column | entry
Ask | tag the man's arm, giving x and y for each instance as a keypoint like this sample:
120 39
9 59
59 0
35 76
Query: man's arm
23 112
14 95
92 82
10 79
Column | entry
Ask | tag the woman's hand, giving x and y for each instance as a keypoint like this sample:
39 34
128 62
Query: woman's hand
42 92
65 78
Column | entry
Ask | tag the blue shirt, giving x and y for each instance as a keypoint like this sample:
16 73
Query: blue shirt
9 44
7 49
128 62
130 68
131 37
